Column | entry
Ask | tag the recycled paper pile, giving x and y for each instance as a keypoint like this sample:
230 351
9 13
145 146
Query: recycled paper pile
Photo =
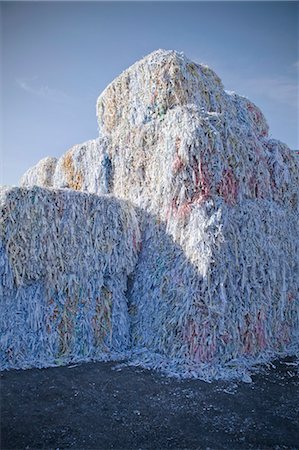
215 287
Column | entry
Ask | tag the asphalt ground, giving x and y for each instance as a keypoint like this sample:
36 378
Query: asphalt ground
104 406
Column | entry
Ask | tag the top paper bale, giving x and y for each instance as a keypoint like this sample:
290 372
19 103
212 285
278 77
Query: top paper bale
161 81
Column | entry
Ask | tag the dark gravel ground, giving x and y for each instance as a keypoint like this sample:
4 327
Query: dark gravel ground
100 406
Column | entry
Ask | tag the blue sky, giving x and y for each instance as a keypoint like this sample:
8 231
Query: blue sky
57 57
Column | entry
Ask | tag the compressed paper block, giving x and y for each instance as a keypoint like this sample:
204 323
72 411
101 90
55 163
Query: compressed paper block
227 298
216 283
85 167
65 258
41 174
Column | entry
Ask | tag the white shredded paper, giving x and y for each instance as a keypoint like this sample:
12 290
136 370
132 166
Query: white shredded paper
215 287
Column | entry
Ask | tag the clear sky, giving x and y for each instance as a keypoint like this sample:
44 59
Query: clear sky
57 57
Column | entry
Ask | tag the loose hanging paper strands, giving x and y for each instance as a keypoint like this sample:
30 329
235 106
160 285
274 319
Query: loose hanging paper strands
216 283
65 258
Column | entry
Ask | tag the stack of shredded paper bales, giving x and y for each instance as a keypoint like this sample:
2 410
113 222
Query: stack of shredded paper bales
215 287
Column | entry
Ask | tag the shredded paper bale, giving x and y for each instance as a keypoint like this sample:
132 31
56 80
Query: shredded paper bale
215 287
85 167
41 174
65 258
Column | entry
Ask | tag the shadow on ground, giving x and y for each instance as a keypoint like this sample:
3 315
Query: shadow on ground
102 406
